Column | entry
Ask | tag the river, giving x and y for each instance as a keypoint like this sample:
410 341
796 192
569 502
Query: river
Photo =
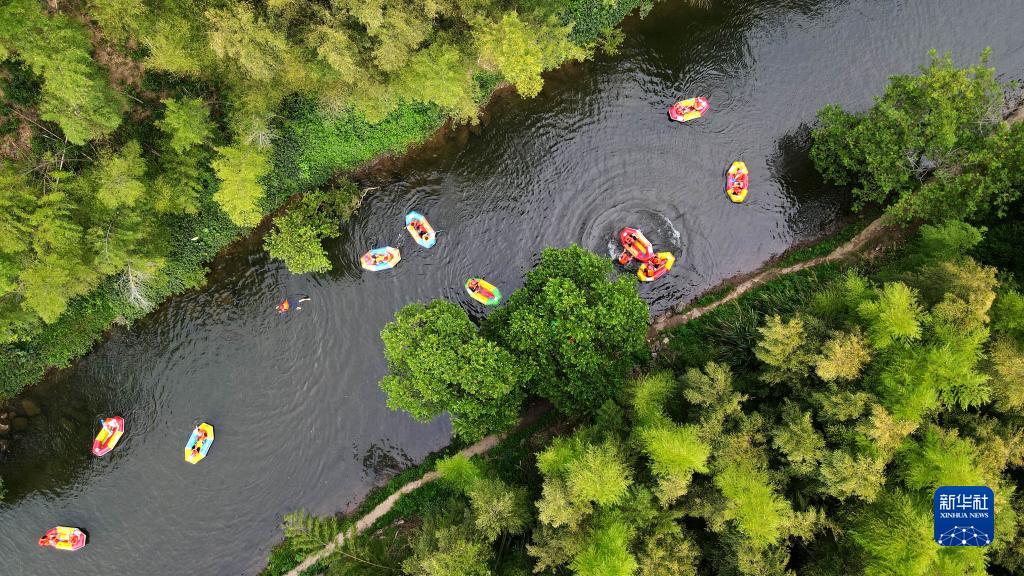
299 419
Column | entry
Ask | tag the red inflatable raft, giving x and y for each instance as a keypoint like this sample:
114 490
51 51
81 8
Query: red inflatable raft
634 245
687 110
110 433
63 538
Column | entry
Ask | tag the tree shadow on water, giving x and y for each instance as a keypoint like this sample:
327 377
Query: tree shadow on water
813 206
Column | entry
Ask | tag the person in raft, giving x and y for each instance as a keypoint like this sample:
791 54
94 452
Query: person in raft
49 539
474 285
653 265
379 258
737 187
200 437
420 229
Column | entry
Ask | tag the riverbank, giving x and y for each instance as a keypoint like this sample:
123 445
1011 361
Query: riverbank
311 149
380 505
868 239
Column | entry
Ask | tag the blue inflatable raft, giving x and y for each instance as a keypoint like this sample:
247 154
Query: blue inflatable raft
420 230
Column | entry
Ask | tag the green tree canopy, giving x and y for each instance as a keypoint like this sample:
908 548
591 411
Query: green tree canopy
239 169
438 363
521 51
187 122
922 125
581 331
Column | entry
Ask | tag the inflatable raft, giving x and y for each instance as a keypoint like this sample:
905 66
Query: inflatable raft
634 245
667 261
425 237
737 182
196 449
483 291
110 434
63 538
686 110
380 259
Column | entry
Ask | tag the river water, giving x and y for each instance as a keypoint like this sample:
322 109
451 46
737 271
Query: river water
299 419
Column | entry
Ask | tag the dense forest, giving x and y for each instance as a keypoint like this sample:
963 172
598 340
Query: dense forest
138 138
800 429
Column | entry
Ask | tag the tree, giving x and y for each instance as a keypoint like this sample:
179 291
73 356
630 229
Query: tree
239 169
119 19
711 389
847 475
119 176
441 74
178 45
605 550
447 545
650 393
438 362
1008 314
1008 362
579 331
521 51
668 550
922 124
60 269
459 472
335 46
395 27
940 458
238 36
843 357
676 453
74 95
187 122
499 508
797 438
783 347
758 511
307 532
894 317
894 534
17 201
297 236
180 179
297 243
598 474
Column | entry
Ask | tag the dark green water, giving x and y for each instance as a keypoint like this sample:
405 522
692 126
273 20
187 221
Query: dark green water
300 420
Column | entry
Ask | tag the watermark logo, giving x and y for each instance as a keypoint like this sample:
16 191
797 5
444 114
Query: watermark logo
964 515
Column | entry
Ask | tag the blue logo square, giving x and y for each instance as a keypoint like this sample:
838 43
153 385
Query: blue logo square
964 515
